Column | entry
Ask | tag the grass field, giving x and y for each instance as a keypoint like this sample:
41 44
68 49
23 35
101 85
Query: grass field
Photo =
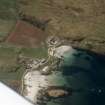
8 17
35 52
8 9
5 28
10 71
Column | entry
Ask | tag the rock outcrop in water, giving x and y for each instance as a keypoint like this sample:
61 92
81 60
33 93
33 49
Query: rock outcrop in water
57 92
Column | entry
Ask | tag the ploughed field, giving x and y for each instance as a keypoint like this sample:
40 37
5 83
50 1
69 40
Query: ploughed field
26 35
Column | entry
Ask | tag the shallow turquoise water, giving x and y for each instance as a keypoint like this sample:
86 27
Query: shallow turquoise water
84 72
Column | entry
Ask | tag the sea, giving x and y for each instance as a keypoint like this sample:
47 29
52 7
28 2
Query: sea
84 72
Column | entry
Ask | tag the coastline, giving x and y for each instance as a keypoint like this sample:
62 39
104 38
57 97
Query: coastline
71 68
33 79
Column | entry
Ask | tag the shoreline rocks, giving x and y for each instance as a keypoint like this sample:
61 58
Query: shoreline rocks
59 52
46 70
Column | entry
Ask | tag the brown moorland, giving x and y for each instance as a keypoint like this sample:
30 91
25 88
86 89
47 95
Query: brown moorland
80 21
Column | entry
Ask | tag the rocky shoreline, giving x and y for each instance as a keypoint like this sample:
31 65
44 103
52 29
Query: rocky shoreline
35 78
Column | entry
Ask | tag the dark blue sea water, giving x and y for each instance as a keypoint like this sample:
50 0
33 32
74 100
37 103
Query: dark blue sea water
84 72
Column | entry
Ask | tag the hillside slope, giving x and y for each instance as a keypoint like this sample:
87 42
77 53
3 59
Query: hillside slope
82 21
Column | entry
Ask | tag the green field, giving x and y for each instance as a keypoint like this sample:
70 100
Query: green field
10 70
8 17
34 52
8 9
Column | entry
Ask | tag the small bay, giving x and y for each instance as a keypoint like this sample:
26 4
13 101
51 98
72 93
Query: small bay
84 73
